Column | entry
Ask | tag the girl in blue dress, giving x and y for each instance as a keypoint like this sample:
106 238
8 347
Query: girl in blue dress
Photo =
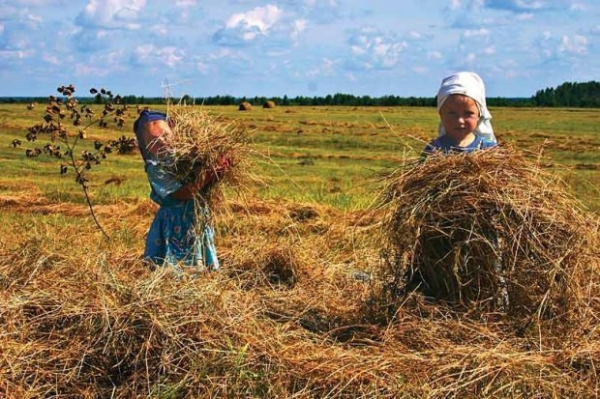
175 237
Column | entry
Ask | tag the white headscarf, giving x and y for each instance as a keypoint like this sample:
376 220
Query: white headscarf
468 84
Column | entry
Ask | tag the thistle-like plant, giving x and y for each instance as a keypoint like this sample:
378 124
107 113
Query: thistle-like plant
64 142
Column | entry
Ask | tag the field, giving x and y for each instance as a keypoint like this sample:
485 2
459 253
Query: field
290 313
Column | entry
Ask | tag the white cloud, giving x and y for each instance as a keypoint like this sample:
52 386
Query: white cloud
578 6
34 19
470 58
573 45
88 41
243 28
160 29
150 55
202 67
421 70
15 13
476 33
262 18
372 49
526 16
226 53
358 50
322 11
91 70
550 47
15 55
278 52
51 59
111 14
455 4
434 55
299 27
40 2
220 60
101 64
491 50
324 68
186 3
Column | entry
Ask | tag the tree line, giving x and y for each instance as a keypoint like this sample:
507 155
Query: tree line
570 94
566 95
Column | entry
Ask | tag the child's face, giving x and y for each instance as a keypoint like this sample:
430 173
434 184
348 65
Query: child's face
153 133
460 116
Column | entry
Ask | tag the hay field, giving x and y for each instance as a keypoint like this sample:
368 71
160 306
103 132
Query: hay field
292 312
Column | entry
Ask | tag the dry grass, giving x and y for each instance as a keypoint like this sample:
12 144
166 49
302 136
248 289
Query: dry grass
198 144
284 317
491 233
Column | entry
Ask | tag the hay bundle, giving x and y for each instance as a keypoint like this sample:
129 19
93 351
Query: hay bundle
486 232
269 104
245 106
197 146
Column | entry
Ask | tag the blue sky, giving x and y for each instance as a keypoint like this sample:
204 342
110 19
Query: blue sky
295 47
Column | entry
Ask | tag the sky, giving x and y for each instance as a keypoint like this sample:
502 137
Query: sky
295 47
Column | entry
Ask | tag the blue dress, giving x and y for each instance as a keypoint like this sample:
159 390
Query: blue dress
448 145
174 237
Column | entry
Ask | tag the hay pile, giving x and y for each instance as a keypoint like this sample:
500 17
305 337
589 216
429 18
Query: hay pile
245 106
198 143
269 104
489 232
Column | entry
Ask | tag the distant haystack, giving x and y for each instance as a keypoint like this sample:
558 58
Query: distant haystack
245 106
269 104
31 106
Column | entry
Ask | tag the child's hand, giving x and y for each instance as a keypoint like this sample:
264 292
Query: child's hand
188 191
223 165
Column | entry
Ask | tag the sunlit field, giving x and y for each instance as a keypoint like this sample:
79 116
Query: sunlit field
293 311
330 156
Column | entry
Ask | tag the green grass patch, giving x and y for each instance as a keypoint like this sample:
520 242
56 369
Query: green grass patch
329 155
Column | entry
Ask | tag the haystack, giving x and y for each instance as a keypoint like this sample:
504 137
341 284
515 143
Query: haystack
269 104
487 232
245 106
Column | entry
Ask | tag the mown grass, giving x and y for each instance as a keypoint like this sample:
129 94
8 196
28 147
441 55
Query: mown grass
330 155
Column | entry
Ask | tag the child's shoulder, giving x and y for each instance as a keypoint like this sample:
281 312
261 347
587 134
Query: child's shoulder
486 143
440 143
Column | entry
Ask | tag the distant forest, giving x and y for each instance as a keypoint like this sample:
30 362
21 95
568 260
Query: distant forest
586 95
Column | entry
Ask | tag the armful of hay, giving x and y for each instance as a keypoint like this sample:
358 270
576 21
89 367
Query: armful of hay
205 153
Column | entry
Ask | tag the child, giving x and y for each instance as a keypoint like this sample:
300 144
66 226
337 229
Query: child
465 127
465 120
173 237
